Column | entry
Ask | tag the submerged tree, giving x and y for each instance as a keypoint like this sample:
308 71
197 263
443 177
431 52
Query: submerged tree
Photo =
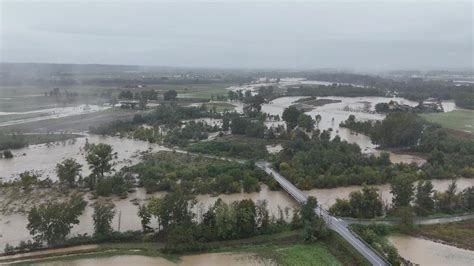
99 157
52 222
103 215
67 171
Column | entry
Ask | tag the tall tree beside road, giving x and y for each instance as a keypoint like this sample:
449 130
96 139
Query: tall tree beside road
402 189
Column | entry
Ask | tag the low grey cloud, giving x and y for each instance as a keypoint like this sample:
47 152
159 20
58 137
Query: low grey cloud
319 34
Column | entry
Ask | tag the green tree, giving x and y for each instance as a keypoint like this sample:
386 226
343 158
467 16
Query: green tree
314 230
307 209
67 171
468 197
341 208
52 222
245 214
102 217
7 154
424 203
28 179
403 190
290 116
305 121
170 95
448 201
406 217
145 217
371 203
225 221
398 129
99 157
317 118
173 209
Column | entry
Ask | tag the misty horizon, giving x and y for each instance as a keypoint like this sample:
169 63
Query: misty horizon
356 36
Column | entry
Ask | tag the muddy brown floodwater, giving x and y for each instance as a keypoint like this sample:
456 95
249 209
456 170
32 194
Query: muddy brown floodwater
194 260
13 227
44 157
426 252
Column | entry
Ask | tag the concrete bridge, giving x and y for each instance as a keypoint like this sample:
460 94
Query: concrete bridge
336 224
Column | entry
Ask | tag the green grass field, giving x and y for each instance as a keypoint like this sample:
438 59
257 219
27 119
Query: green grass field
459 120
285 248
304 254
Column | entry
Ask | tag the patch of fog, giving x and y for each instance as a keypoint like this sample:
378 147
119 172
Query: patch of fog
426 252
52 113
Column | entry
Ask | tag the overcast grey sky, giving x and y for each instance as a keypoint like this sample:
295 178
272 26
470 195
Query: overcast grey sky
356 35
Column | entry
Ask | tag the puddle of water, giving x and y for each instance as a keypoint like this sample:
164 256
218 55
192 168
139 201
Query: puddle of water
426 252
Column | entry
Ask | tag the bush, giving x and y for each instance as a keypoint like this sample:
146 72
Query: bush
7 154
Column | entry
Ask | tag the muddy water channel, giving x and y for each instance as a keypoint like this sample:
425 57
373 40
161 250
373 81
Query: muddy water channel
426 252
195 260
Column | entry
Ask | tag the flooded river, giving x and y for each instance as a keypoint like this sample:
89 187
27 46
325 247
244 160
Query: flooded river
13 227
426 252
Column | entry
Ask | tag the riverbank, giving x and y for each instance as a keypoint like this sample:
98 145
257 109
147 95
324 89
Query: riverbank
284 248
458 234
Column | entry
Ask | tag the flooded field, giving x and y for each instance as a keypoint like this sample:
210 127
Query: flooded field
15 118
195 260
44 157
426 252
333 114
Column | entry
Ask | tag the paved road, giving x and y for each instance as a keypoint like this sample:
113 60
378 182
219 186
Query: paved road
333 223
